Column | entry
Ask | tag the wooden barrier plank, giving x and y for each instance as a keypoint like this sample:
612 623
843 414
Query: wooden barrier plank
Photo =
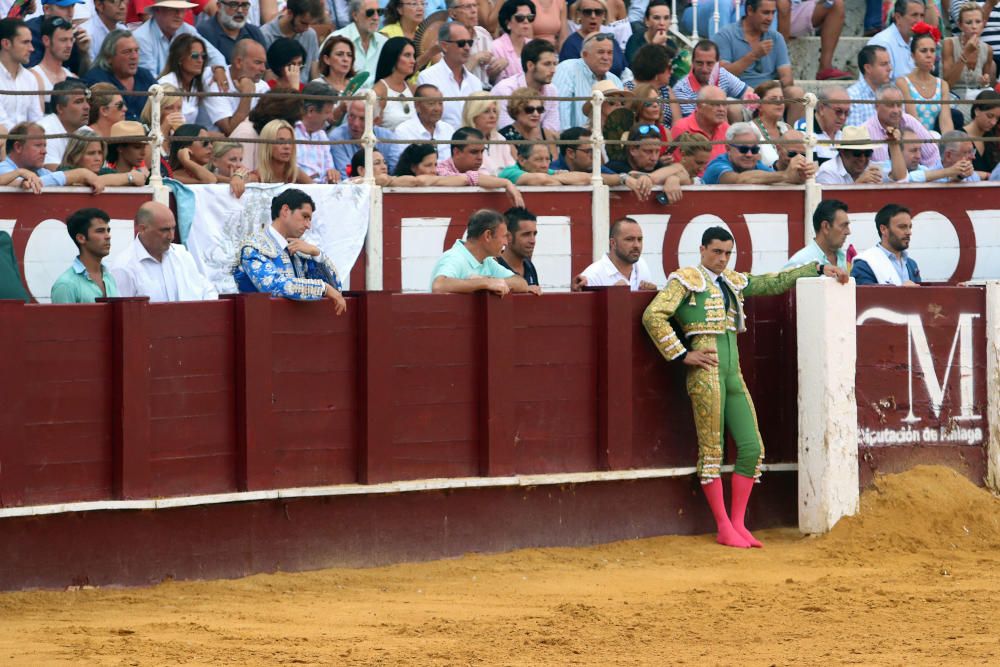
497 384
13 370
614 397
375 383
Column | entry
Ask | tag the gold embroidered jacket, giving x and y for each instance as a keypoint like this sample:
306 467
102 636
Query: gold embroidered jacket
693 299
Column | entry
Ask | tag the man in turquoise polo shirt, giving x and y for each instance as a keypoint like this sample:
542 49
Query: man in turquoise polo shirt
832 228
471 265
87 279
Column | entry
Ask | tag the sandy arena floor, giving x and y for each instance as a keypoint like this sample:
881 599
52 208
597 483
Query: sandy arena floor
915 580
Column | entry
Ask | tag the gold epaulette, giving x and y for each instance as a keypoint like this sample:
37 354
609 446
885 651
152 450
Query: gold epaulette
691 277
738 281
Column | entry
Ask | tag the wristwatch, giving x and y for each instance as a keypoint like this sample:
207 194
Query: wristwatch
819 269
131 179
622 178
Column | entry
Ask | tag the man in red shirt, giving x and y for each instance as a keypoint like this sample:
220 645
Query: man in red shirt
709 120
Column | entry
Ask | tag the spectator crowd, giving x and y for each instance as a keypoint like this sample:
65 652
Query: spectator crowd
722 109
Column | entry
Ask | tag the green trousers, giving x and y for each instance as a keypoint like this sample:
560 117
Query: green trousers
721 402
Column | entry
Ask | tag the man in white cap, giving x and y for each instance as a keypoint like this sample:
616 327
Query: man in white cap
853 164
154 37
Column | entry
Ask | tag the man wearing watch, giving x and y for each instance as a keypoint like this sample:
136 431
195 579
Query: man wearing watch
579 158
642 153
706 302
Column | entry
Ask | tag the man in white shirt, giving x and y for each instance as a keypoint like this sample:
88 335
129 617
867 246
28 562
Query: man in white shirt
428 126
316 160
108 15
482 62
449 74
154 266
622 265
363 33
71 112
15 50
244 75
57 43
156 34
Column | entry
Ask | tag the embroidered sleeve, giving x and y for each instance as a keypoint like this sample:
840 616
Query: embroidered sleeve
656 319
322 268
778 283
266 277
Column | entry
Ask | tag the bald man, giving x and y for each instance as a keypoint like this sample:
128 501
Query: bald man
153 265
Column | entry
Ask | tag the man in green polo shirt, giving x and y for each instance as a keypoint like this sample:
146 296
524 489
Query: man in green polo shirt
87 280
471 266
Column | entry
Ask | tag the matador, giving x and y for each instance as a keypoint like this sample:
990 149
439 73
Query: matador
706 302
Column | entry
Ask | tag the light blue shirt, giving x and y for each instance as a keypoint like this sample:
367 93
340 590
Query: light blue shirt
898 264
154 47
899 50
574 79
75 285
995 174
342 153
637 11
364 61
722 165
860 113
49 178
733 45
813 253
460 263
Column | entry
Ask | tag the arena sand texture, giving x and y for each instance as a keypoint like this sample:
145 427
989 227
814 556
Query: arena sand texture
914 579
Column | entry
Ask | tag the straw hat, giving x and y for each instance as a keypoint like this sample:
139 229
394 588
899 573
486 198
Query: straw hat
128 128
855 138
173 4
608 88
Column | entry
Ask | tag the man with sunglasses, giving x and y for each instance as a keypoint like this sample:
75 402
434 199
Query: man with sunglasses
789 151
642 154
482 62
854 166
108 15
229 25
79 58
57 43
832 109
449 74
741 164
363 33
576 77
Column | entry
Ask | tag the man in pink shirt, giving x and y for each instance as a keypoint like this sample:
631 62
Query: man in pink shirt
539 60
708 120
889 113
466 160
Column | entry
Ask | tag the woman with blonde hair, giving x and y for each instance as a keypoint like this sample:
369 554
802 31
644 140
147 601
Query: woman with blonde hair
276 162
88 151
171 114
483 115
227 165
696 153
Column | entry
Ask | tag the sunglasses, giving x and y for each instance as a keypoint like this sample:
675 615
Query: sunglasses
864 153
792 154
524 18
118 105
460 43
647 129
601 36
371 13
753 150
60 22
531 109
593 12
197 55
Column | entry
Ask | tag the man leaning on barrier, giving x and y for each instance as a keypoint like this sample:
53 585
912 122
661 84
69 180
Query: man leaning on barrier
522 231
26 160
471 265
888 263
706 302
622 265
642 155
832 227
278 262
741 165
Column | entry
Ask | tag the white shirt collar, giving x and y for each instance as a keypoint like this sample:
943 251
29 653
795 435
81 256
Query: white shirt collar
278 239
142 254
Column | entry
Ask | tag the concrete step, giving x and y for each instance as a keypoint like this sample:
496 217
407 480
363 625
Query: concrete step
813 86
804 54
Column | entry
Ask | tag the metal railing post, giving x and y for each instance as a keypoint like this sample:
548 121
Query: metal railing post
694 20
368 138
813 191
600 197
373 239
161 193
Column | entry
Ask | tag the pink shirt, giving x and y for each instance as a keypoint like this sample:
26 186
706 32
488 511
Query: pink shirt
928 153
448 168
504 48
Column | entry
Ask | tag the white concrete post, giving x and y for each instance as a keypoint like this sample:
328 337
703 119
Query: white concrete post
600 196
368 138
993 386
373 241
828 410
